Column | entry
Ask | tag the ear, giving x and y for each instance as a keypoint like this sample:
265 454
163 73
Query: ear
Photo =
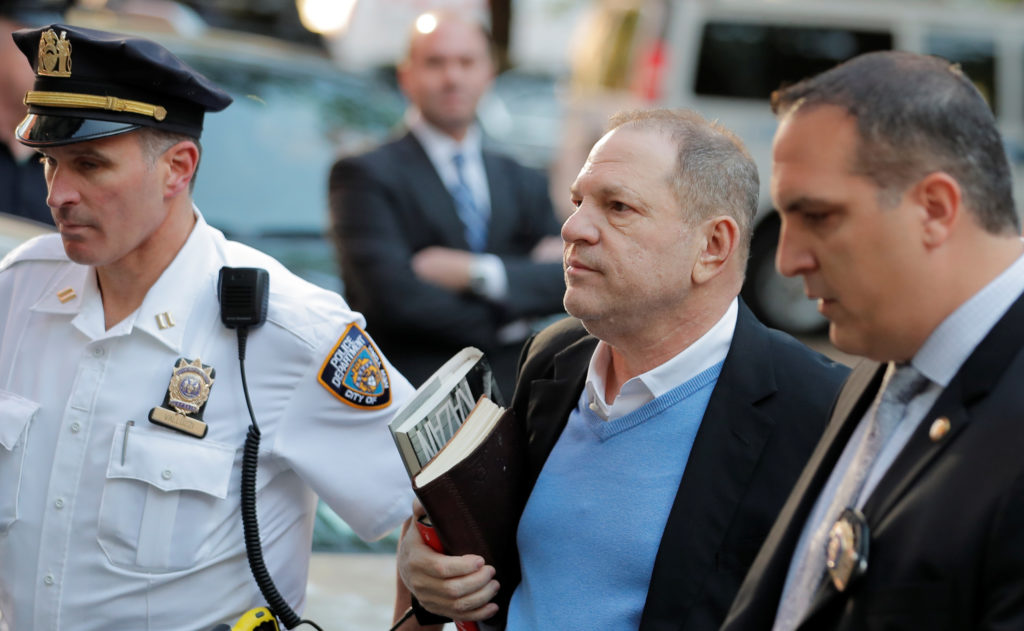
939 195
181 161
718 240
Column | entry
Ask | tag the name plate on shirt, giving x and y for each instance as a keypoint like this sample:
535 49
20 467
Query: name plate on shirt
179 422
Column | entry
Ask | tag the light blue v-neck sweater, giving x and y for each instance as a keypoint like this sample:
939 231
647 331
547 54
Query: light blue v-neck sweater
593 524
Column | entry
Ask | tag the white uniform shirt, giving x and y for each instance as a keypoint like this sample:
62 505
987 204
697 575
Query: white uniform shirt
106 525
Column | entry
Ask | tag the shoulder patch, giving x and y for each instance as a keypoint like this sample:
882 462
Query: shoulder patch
354 371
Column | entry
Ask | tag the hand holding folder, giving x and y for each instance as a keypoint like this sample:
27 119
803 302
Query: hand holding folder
456 587
472 487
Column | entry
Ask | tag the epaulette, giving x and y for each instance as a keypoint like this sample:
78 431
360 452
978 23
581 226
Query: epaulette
47 247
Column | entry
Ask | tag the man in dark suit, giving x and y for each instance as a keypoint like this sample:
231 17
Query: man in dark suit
442 244
910 513
665 425
22 185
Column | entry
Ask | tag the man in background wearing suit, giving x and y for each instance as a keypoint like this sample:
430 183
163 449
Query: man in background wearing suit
897 210
666 425
22 185
442 244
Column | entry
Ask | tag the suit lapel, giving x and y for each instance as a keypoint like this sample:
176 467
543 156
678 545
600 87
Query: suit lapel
503 199
853 403
975 379
769 570
721 462
973 382
552 400
429 191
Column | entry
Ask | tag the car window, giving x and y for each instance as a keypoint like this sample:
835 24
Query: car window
266 159
745 60
523 116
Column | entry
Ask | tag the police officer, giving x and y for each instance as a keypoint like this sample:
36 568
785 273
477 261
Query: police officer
109 520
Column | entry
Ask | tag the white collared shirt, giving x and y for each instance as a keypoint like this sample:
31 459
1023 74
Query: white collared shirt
105 524
441 149
942 355
939 358
710 349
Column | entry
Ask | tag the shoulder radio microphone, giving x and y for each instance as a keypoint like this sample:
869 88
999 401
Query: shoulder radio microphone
244 293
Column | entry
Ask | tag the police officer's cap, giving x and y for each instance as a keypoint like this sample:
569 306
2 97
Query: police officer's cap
92 84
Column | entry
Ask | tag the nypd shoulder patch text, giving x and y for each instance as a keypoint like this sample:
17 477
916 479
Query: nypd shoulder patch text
355 373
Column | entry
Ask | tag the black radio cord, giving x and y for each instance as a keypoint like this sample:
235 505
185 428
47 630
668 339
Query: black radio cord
405 616
250 525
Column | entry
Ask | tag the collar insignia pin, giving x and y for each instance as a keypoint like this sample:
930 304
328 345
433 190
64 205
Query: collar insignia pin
164 320
940 427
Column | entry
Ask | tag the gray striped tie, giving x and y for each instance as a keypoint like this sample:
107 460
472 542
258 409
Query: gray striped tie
902 385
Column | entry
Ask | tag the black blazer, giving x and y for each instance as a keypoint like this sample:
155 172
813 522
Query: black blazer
946 520
764 417
390 203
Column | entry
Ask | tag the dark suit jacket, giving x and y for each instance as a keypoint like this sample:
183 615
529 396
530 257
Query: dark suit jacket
23 187
764 417
946 520
389 204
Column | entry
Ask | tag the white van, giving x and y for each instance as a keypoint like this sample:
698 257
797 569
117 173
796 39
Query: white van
723 58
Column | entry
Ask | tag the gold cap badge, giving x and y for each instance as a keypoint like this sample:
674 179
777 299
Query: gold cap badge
54 58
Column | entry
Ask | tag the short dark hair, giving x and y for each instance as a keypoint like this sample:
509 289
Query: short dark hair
916 114
714 173
154 142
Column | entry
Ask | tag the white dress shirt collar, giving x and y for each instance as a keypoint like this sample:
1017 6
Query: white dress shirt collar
952 342
441 147
708 350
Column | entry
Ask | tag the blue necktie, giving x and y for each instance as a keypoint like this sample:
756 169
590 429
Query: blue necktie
472 216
